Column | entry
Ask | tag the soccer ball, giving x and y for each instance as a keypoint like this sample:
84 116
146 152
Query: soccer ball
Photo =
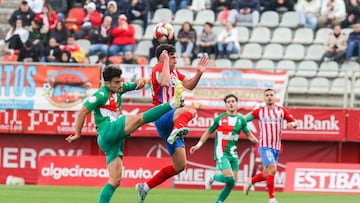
163 31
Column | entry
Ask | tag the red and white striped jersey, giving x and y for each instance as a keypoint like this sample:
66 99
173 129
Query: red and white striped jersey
164 94
271 124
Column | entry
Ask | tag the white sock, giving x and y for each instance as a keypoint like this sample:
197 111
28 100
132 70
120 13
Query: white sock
146 187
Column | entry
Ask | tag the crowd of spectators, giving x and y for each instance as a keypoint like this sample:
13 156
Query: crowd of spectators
42 27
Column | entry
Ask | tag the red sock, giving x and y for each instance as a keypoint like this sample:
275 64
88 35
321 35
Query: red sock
257 178
160 177
183 120
270 185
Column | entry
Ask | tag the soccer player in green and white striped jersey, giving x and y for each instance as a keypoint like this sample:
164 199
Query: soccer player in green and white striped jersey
228 126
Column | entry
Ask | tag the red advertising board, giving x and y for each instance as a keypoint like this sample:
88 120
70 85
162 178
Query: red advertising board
92 171
19 153
353 126
322 177
313 124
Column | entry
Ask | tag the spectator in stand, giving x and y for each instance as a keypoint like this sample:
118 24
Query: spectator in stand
24 12
199 5
48 18
156 43
100 38
123 37
129 58
353 43
308 11
335 46
219 5
37 37
91 21
36 5
100 5
28 53
66 57
60 33
353 13
245 11
174 5
280 5
207 40
52 52
103 60
112 11
186 41
332 12
155 4
123 6
60 7
227 41
16 36
76 52
139 9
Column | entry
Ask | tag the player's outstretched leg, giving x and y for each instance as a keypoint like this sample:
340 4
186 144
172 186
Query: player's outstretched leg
178 99
209 181
176 134
141 193
247 186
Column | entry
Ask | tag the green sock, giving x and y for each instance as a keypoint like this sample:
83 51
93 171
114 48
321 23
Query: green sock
106 193
220 178
230 183
156 112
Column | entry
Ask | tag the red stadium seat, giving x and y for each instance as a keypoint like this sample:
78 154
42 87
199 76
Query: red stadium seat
9 58
74 18
142 60
115 59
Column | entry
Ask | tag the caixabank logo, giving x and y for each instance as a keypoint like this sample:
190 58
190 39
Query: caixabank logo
66 88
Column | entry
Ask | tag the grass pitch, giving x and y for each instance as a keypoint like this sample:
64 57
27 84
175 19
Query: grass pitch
40 194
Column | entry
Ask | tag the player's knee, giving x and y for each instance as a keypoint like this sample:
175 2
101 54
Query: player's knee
115 182
193 112
230 181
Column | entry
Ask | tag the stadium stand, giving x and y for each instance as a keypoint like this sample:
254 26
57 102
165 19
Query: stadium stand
276 44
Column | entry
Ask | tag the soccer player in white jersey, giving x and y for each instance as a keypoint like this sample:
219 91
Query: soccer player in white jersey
228 126
270 119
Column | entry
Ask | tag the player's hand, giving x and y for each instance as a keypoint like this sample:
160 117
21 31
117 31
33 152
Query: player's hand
163 56
140 83
193 149
72 138
203 63
291 125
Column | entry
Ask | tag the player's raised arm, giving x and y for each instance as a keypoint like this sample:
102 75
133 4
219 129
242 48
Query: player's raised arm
193 81
78 125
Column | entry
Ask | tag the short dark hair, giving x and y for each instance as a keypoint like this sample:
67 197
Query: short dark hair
111 71
28 43
269 89
230 95
168 47
209 24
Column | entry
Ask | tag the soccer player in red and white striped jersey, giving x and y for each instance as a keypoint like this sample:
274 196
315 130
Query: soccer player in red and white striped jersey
270 119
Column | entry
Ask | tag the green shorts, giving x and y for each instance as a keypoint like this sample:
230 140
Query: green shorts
226 163
111 139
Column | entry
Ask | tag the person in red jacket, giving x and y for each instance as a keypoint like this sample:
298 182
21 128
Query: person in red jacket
123 37
48 18
91 21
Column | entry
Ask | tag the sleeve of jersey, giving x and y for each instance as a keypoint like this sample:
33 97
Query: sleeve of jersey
288 116
245 127
249 117
96 100
215 125
128 86
180 75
